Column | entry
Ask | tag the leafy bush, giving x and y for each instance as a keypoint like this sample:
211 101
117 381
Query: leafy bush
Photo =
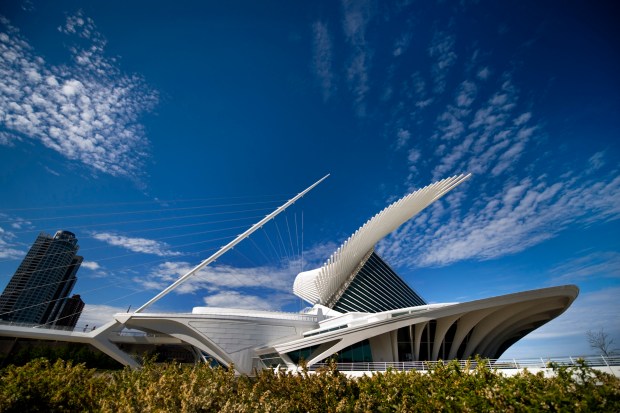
40 386
63 386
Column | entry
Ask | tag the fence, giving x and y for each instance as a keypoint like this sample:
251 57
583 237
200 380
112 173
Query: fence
500 364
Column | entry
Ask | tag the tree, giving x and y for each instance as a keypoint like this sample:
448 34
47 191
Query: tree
600 341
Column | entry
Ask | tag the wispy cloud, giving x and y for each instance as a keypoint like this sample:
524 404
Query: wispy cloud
442 50
490 138
8 250
218 277
91 265
234 299
51 171
596 161
96 270
8 139
17 222
466 94
484 127
87 111
402 137
143 245
221 284
517 217
600 264
357 14
484 73
322 58
401 44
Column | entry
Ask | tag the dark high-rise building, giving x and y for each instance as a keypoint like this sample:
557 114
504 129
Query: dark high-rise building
70 312
39 289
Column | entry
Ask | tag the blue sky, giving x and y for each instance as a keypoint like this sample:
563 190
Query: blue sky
157 132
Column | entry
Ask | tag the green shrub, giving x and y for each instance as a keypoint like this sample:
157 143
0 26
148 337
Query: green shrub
46 387
171 387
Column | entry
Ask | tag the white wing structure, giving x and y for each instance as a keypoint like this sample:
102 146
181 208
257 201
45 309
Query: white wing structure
318 285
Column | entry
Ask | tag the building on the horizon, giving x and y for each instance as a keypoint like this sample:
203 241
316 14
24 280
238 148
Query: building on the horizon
39 291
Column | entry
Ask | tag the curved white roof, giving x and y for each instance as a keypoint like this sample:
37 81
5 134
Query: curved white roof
318 285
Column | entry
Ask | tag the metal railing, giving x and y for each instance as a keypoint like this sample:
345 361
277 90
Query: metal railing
139 334
500 364
46 326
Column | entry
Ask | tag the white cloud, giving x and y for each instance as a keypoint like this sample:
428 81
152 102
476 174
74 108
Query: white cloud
222 282
8 139
88 111
466 94
484 73
18 223
221 277
487 139
96 315
413 156
402 137
51 171
322 58
450 124
8 249
234 299
401 45
488 131
143 245
515 218
597 161
442 50
601 264
317 254
91 265
357 14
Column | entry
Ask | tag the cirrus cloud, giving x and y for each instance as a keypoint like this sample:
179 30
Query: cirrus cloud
88 111
136 244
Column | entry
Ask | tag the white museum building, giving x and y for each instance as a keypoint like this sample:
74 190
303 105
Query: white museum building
361 311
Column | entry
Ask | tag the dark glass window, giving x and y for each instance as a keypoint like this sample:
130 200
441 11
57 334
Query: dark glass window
375 288
272 360
304 353
356 353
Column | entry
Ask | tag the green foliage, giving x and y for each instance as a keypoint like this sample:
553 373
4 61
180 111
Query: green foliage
170 387
41 386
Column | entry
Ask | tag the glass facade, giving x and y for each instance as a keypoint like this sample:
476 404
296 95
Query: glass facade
301 354
356 353
375 288
272 360
38 291
405 343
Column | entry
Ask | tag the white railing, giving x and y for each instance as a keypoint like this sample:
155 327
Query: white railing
139 334
45 326
500 364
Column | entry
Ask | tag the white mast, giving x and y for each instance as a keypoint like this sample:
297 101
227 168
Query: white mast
228 246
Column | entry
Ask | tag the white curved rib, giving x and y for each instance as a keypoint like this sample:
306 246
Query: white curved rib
316 286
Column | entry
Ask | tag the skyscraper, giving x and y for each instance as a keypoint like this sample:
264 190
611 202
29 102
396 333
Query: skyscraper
39 289
70 312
